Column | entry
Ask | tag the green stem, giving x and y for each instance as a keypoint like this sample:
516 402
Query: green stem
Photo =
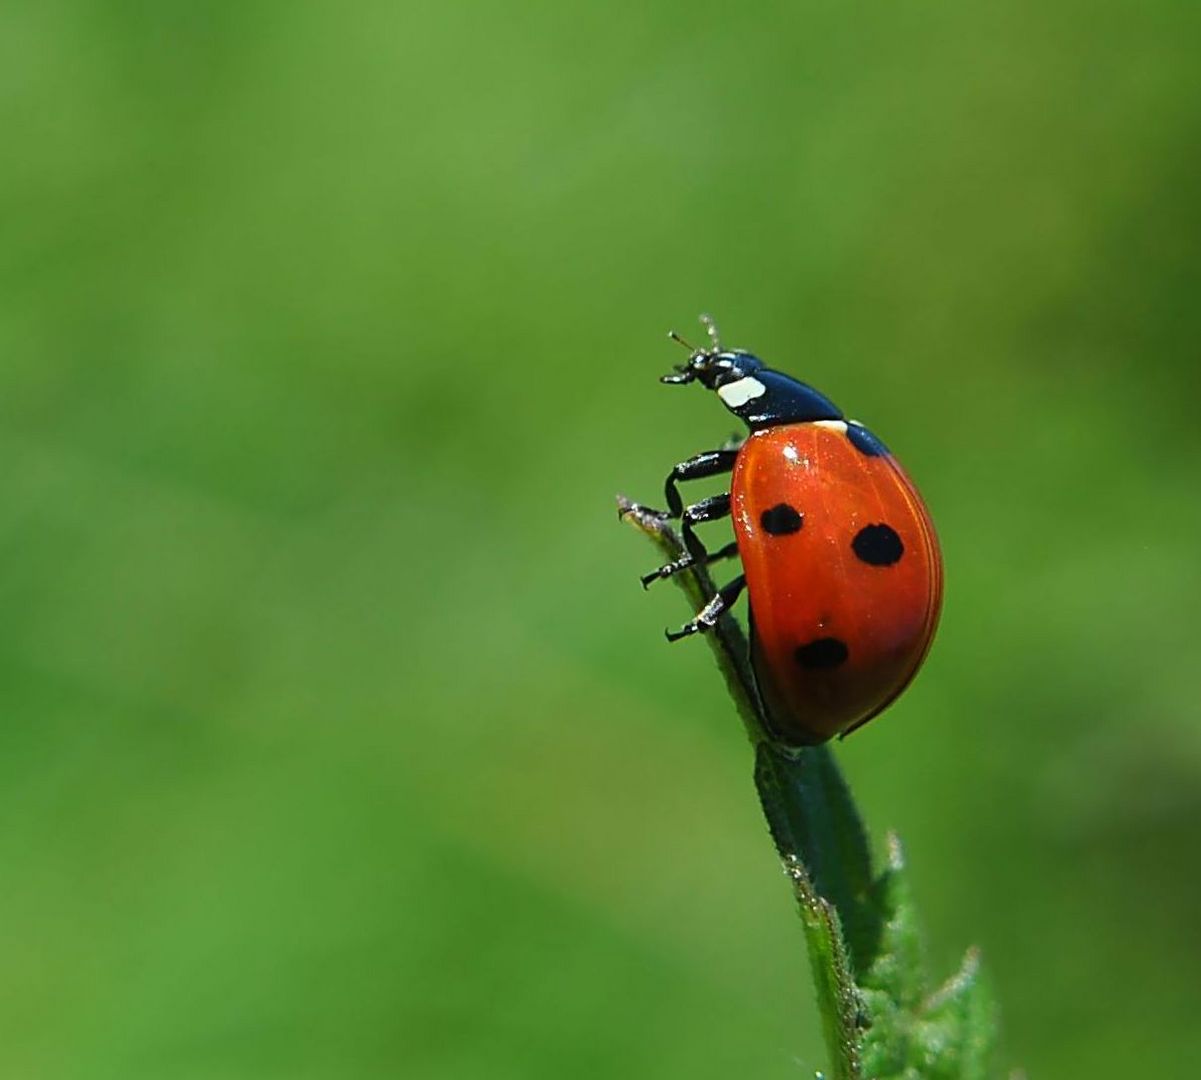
879 1015
817 833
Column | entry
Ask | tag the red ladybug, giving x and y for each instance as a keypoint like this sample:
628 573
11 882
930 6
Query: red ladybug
838 550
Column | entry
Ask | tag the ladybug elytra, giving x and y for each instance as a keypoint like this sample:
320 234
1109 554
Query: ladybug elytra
839 555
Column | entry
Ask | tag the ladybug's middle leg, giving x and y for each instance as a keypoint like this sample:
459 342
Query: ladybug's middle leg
710 509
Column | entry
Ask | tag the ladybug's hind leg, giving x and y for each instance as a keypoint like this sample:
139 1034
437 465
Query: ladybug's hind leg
707 617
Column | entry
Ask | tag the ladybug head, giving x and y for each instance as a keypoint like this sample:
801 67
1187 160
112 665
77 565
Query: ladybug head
714 368
750 390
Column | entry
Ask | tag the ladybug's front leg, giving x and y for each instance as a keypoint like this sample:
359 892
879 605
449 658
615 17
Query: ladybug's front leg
709 463
707 617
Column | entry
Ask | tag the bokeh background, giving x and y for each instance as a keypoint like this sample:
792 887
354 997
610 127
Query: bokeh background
338 739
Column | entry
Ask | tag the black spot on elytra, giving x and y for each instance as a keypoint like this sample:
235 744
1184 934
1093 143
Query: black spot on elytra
864 441
821 654
878 545
781 520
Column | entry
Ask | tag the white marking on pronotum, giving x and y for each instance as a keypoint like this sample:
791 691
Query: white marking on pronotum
834 425
737 394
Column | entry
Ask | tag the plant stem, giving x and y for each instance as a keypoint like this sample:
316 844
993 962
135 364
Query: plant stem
878 1015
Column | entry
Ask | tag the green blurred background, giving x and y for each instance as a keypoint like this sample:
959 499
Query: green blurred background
338 738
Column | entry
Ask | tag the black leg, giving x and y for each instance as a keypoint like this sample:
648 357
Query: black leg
710 463
685 561
710 509
707 617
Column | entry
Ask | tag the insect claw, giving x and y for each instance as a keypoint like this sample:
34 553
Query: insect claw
641 511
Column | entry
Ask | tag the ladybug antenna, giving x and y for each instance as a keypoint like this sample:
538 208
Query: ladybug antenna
680 341
686 373
683 372
711 329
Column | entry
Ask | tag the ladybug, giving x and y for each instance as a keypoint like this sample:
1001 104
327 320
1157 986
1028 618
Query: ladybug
838 551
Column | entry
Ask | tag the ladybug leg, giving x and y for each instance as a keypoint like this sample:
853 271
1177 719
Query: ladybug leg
685 561
716 506
707 617
710 463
